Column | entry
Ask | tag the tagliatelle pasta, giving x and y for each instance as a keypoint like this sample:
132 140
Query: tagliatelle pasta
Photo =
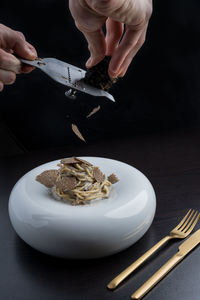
77 181
86 188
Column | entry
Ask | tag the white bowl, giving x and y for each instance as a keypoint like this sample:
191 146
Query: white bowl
98 229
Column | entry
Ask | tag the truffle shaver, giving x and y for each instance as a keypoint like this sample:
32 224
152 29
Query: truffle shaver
68 75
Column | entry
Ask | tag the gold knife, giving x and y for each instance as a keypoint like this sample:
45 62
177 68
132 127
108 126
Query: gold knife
184 249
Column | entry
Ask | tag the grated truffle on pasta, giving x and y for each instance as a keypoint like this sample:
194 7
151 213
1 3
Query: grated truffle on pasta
77 181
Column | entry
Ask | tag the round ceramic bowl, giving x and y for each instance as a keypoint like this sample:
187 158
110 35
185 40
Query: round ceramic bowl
100 228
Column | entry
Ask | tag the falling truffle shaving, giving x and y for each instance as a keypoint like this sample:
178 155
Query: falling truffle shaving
76 181
94 111
48 178
77 132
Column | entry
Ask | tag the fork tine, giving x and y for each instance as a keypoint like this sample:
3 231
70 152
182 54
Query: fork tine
187 225
187 220
183 220
188 230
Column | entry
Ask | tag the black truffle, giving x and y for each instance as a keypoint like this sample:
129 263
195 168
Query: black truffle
98 77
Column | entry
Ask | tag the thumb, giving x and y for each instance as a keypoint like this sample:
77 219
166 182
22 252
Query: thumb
15 41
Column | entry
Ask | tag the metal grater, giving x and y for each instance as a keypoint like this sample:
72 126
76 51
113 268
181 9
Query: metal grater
68 75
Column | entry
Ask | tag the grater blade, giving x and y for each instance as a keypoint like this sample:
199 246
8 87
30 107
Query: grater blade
67 75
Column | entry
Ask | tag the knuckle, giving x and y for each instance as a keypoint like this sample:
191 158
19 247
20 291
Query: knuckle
100 4
140 24
3 57
78 26
129 44
20 35
9 62
4 28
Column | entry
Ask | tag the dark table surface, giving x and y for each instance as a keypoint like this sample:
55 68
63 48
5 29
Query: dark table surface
171 161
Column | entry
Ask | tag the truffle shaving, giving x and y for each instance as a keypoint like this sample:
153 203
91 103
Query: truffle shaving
77 181
66 183
69 160
94 111
77 132
48 178
83 161
98 175
113 178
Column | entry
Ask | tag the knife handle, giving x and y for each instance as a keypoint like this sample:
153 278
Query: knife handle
153 280
119 278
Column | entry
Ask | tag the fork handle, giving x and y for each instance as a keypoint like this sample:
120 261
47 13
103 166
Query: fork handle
117 280
157 276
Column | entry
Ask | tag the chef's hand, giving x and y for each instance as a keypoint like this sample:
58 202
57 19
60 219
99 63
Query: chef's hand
91 15
13 42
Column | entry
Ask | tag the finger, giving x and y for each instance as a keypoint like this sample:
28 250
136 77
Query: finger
127 61
15 40
7 77
128 42
97 47
90 24
1 86
27 69
20 34
32 49
25 50
9 62
114 31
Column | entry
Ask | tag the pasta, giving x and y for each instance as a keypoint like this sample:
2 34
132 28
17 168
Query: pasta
77 181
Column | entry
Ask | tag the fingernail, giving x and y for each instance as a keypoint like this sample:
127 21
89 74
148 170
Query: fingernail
31 52
112 74
89 62
113 70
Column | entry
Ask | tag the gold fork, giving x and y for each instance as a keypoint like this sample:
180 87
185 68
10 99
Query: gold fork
182 230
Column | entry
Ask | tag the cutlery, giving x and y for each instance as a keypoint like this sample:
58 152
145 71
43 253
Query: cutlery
184 249
182 230
68 75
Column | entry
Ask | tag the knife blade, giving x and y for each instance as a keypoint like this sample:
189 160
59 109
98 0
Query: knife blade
184 249
190 243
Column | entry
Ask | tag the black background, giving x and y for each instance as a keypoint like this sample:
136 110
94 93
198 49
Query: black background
160 91
158 109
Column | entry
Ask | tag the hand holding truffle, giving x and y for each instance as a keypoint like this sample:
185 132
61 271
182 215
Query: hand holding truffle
91 15
13 42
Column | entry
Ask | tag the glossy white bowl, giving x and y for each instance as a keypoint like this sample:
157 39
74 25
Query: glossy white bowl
98 229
